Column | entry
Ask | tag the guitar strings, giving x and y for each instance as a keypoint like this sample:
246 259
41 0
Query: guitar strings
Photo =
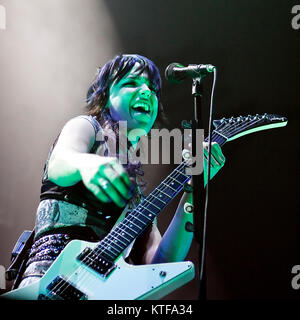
240 126
215 137
64 282
229 128
124 225
152 196
117 229
138 209
103 247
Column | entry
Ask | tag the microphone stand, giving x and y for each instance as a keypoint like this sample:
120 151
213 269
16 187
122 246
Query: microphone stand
198 189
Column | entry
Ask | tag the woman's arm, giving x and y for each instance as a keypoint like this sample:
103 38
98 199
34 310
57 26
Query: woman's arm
70 152
176 241
70 162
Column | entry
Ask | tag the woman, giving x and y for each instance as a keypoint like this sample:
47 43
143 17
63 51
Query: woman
89 185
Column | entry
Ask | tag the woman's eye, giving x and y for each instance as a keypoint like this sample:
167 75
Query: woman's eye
130 83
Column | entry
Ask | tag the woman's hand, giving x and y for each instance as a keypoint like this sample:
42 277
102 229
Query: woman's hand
217 159
106 178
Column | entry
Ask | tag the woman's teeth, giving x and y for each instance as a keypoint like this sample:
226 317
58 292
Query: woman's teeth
141 107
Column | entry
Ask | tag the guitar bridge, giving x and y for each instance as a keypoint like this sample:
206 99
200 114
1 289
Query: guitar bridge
93 260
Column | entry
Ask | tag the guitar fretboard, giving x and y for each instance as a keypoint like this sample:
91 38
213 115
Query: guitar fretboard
142 216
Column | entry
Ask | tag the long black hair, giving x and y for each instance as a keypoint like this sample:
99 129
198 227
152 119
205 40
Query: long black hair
97 97
116 69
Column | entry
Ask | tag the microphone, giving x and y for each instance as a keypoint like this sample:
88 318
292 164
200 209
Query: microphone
176 73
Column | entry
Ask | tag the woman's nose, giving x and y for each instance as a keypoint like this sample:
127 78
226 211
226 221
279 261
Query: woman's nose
145 92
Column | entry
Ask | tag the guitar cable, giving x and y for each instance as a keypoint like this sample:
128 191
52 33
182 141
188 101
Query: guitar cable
202 253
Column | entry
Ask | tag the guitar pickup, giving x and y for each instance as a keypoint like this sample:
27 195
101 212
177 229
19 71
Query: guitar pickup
60 289
95 261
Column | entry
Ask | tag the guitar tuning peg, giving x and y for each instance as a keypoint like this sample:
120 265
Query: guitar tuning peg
188 188
224 121
217 123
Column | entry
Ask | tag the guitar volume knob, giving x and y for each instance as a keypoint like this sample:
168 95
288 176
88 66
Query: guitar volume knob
163 274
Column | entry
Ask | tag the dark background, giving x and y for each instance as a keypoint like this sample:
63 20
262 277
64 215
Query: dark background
253 218
252 235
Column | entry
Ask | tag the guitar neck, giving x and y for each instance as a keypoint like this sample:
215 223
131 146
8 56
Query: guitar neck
217 137
143 215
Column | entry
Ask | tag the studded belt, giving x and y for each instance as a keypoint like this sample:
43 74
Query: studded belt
48 247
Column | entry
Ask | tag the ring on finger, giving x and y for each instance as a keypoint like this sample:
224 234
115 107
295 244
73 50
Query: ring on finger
103 183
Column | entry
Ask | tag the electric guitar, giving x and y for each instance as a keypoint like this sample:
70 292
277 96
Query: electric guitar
98 271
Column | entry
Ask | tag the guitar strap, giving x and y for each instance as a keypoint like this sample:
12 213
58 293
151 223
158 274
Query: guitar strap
21 250
19 257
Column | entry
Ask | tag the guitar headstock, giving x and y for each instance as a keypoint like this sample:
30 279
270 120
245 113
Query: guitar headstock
235 127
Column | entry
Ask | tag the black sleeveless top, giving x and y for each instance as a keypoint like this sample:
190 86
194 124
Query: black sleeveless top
104 215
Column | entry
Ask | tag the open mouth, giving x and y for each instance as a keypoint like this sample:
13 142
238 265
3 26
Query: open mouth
141 107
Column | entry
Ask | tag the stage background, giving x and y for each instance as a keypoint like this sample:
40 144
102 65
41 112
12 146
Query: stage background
49 53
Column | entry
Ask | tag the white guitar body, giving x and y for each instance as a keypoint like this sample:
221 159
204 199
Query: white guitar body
125 282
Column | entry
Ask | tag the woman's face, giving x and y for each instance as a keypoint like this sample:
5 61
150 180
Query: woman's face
133 99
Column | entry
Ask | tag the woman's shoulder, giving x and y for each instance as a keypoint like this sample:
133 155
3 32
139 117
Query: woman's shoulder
91 119
79 129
